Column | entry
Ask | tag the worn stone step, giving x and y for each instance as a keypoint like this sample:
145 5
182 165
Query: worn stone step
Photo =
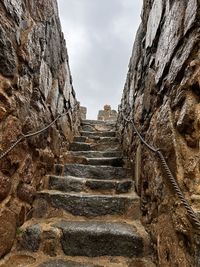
97 154
100 239
98 126
98 134
76 184
136 262
69 158
81 146
95 139
84 238
94 172
41 259
97 122
115 162
90 205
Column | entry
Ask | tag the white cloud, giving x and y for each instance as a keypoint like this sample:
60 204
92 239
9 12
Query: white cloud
99 37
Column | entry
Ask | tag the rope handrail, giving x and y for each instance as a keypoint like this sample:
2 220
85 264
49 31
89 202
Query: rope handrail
192 215
24 136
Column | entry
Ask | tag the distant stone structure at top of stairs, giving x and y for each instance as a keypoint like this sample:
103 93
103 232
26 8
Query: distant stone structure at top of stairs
107 114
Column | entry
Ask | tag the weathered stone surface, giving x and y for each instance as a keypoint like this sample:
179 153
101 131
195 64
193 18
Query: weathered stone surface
93 126
35 85
97 154
66 184
7 55
80 139
115 162
105 185
79 146
190 14
154 21
99 239
29 239
92 205
97 172
100 134
170 36
7 231
63 263
5 186
96 144
26 192
161 93
142 263
76 184
14 8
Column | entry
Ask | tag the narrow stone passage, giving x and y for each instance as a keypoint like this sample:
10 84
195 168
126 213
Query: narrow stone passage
87 213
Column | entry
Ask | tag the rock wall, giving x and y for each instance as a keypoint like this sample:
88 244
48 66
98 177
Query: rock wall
35 85
162 94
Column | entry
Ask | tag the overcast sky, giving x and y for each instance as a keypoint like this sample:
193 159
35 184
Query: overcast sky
99 36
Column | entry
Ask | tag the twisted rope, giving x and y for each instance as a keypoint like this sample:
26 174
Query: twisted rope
191 214
24 136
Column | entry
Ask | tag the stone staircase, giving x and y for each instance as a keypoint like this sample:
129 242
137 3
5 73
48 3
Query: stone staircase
87 213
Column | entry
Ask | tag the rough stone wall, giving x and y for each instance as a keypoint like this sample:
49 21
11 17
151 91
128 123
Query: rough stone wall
35 85
162 94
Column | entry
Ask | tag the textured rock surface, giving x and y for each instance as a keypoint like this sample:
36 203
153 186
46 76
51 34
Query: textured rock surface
62 263
35 85
162 95
97 238
92 205
7 230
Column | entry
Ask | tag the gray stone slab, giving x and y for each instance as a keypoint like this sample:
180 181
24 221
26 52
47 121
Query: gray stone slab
98 134
97 154
91 205
115 162
76 184
29 239
96 172
94 239
66 184
79 146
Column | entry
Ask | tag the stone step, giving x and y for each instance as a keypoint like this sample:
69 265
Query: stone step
99 262
97 154
69 158
98 126
39 259
98 122
98 134
84 238
115 162
89 205
94 172
95 139
81 146
76 184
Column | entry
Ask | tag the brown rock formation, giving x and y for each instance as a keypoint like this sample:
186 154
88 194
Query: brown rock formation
162 94
35 85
